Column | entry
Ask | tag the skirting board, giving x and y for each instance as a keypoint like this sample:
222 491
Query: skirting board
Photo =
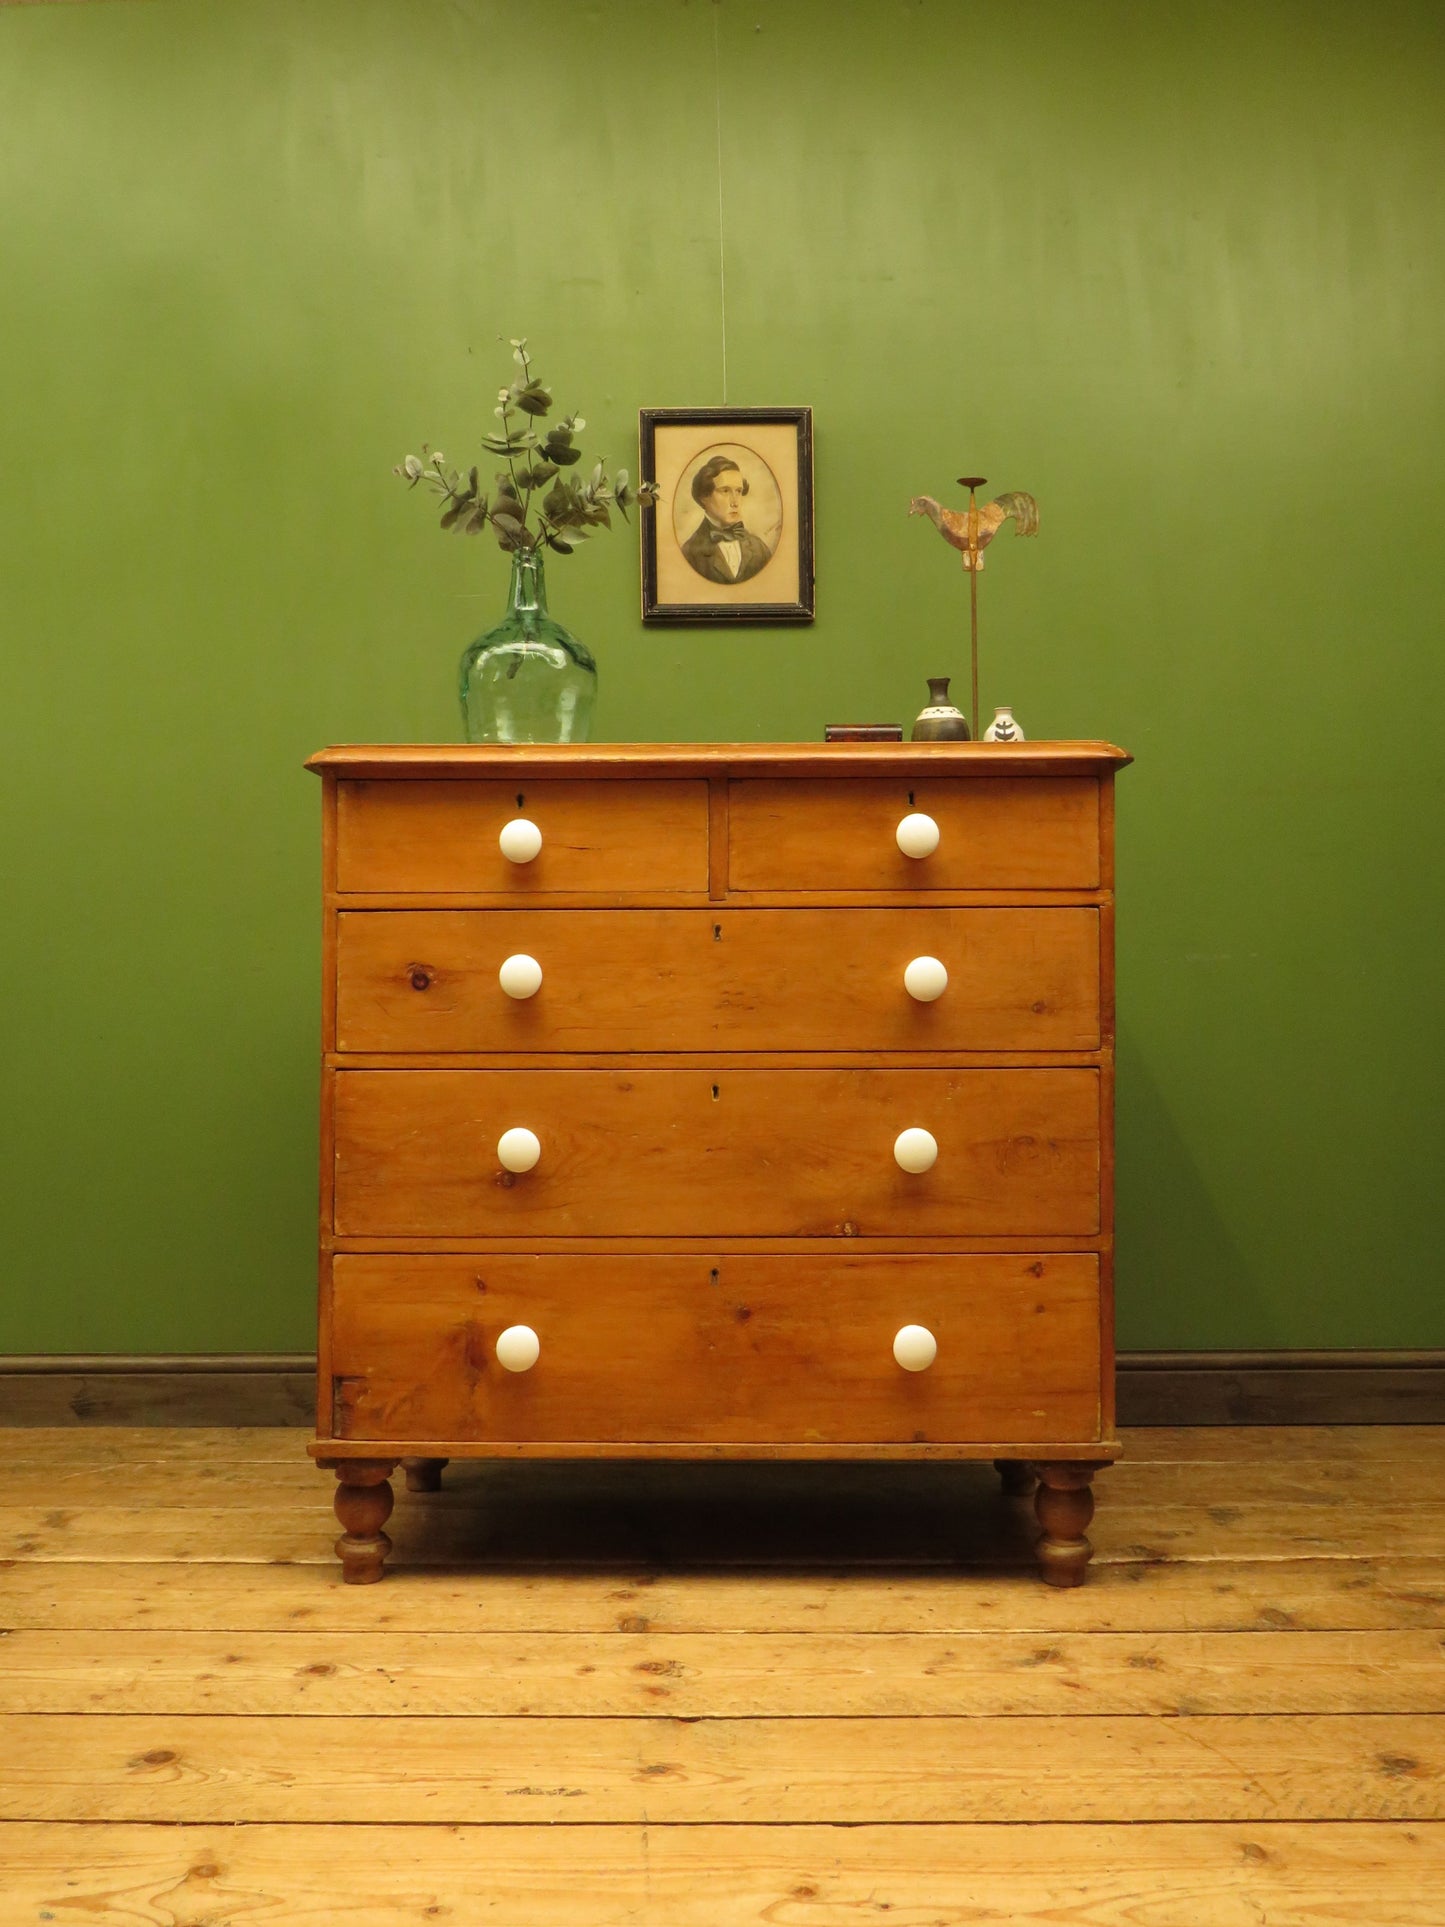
1155 1388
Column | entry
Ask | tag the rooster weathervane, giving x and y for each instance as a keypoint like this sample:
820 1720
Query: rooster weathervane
970 531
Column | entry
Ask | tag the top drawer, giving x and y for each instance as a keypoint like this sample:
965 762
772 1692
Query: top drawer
995 833
597 837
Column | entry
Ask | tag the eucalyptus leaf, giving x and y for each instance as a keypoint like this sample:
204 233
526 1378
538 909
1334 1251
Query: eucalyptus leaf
534 399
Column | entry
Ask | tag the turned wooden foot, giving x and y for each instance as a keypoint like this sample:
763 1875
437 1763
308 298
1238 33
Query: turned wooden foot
424 1475
1016 1476
363 1505
1064 1506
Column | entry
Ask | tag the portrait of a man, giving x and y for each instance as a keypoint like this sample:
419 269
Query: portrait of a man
729 536
722 548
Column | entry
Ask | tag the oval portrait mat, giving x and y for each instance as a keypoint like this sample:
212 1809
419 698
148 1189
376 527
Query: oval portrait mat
762 507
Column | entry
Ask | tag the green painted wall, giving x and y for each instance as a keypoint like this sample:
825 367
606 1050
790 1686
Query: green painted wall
1178 271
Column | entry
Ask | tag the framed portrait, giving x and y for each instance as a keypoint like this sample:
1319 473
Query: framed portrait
730 537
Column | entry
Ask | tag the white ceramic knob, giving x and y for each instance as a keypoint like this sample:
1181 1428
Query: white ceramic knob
519 1149
924 979
918 835
916 1150
915 1348
520 840
519 1348
521 976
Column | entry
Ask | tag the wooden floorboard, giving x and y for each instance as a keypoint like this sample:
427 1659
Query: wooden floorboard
722 1696
665 1770
720 1675
1277 1595
1279 1875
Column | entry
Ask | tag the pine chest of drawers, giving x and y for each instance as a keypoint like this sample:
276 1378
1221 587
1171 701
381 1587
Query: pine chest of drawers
718 1101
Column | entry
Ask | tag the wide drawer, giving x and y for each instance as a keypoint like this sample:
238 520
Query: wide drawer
734 1349
995 833
791 1153
596 837
731 980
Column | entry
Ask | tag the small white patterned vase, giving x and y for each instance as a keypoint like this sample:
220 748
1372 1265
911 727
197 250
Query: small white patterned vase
1003 728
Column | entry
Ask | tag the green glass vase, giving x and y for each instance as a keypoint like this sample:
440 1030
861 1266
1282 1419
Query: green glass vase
528 680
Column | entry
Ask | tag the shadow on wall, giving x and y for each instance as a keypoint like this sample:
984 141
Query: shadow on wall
1181 1280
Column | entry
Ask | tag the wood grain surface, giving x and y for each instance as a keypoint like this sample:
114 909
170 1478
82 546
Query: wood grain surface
442 835
665 1770
821 834
1314 1874
1259 1597
700 1154
730 1347
759 1718
621 762
815 1674
723 980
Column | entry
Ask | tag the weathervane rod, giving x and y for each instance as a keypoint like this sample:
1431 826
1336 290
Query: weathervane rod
972 482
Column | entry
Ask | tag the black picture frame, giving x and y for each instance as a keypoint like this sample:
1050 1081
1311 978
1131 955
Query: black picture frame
686 577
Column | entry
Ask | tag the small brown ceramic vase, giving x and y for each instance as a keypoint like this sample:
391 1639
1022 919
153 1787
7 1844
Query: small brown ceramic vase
942 721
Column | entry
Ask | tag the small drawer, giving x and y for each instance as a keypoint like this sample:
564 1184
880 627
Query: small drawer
724 980
599 838
669 1347
699 1154
994 833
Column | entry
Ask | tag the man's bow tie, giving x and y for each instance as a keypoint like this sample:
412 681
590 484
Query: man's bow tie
734 534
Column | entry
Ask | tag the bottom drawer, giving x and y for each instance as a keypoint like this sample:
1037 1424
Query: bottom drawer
726 1349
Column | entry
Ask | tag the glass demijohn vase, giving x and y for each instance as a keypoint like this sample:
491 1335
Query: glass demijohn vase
528 680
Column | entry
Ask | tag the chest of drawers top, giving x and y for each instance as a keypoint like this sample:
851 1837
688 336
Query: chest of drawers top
665 822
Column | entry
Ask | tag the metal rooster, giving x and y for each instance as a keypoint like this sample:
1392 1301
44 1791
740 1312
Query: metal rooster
970 531
954 524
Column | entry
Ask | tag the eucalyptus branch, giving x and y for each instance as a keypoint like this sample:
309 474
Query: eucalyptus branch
571 507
